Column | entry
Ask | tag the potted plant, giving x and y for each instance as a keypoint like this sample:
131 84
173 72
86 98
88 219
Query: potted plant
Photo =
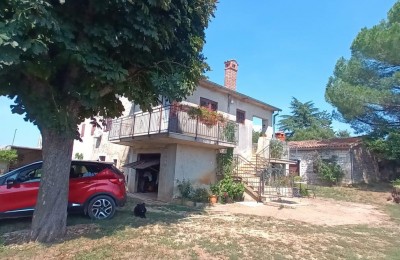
214 188
206 115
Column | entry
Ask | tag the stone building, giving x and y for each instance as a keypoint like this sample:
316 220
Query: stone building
357 162
172 145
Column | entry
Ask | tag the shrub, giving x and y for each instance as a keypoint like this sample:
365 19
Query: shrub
228 189
328 169
185 188
200 195
396 183
276 148
9 156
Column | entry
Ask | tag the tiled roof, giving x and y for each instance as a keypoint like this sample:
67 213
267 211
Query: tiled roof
339 143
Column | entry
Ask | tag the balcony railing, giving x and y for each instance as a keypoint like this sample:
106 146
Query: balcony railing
172 119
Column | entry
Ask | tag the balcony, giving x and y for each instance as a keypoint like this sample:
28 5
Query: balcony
171 124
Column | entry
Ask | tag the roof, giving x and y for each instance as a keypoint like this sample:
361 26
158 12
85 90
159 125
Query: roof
22 148
338 143
210 84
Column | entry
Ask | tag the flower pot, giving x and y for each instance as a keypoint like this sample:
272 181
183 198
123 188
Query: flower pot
213 199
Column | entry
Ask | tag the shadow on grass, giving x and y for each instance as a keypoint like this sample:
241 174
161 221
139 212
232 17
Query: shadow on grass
16 231
375 187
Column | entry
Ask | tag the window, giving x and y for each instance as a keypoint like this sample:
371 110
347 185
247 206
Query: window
32 175
240 116
209 104
92 130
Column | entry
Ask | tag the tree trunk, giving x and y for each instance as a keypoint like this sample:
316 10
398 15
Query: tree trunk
50 217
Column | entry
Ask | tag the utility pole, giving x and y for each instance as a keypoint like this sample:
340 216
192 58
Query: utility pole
15 132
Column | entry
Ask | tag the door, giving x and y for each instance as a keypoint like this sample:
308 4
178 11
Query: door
18 193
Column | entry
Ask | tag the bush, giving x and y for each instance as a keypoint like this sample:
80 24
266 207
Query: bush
396 183
276 148
328 169
228 189
185 188
200 195
9 156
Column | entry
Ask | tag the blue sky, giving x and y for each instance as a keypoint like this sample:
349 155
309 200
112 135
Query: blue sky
284 49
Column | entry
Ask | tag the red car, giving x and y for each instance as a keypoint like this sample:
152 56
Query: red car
96 188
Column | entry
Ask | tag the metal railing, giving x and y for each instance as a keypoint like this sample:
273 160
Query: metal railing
172 119
248 173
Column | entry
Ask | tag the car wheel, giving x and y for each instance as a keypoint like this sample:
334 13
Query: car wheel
101 207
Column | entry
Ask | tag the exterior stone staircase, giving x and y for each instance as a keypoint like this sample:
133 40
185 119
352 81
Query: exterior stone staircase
250 175
250 171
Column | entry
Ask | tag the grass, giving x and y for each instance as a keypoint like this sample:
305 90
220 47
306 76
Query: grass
178 232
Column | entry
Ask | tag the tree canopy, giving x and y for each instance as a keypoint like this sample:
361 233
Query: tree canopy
65 60
365 89
306 122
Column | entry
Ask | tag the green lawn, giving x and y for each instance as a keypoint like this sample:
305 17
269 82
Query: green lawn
178 232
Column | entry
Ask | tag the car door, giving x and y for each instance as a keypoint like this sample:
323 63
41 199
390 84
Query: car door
82 184
18 193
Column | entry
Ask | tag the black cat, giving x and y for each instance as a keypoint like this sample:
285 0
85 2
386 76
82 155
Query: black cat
140 210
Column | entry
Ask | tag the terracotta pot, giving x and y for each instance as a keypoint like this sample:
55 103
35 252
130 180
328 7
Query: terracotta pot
213 199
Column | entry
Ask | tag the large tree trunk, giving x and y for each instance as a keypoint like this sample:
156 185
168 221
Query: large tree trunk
50 217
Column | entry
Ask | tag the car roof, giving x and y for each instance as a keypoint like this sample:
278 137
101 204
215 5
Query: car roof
73 161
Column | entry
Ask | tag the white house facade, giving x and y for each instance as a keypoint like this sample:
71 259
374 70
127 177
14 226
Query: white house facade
157 150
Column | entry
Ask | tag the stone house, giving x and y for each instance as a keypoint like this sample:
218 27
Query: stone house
26 155
357 162
171 145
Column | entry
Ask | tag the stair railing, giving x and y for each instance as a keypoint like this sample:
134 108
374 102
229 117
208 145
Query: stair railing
240 163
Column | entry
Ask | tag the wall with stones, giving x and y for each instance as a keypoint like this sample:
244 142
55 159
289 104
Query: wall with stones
358 164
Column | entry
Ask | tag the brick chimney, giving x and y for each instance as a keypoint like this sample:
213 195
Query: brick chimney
231 68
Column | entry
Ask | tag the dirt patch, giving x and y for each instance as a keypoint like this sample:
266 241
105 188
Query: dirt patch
314 211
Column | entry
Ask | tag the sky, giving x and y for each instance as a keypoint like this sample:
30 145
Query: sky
285 49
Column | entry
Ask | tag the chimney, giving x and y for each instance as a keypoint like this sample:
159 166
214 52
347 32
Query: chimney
231 68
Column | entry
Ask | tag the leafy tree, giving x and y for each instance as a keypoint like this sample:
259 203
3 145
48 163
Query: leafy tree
9 156
342 134
63 61
255 136
366 88
306 122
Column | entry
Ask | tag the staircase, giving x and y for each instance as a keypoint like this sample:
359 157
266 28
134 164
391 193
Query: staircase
257 174
250 175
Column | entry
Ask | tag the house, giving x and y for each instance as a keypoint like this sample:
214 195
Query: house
357 162
158 149
26 155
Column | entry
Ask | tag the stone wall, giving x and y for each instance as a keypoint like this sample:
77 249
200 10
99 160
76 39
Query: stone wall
358 164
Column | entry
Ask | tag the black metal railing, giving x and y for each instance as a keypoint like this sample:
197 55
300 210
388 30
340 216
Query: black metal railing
248 173
172 119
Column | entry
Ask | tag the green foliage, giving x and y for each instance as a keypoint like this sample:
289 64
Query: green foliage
214 188
387 147
9 156
302 188
396 183
328 169
78 156
228 189
342 134
306 122
206 115
255 137
64 62
225 163
365 88
185 188
276 148
230 131
200 195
